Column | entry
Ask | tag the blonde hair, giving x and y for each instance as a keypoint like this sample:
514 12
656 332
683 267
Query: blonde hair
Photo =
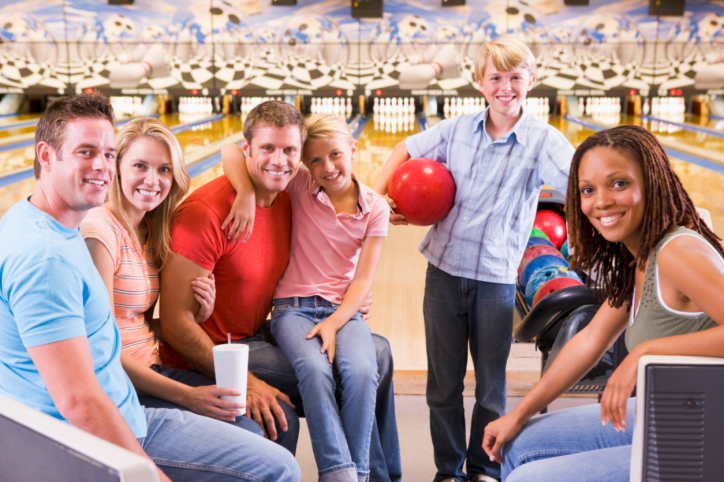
160 217
326 126
506 53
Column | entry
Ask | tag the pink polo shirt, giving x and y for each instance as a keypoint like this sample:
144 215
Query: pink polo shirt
325 245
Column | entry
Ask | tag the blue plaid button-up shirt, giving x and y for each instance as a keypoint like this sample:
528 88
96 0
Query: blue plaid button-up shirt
485 233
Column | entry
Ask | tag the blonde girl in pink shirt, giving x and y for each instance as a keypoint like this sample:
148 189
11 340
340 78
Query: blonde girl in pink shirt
338 225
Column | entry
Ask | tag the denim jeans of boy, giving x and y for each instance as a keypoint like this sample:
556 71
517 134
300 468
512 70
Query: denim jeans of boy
570 446
457 311
340 436
189 447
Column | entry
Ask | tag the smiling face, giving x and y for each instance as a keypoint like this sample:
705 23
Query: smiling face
77 176
329 161
272 160
505 91
146 175
611 186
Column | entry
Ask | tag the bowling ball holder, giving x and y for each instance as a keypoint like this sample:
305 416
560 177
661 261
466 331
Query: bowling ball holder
559 316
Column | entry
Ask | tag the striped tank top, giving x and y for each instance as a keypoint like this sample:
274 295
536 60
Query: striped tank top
135 282
652 319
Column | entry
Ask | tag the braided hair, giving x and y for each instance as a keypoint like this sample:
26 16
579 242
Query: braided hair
667 205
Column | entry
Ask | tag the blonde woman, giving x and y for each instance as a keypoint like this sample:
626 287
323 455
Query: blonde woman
128 239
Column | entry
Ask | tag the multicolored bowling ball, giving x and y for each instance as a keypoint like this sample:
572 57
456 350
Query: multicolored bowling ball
540 277
423 190
554 285
553 225
534 251
564 250
539 234
536 264
532 241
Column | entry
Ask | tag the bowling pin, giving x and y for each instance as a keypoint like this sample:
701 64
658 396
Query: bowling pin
646 107
446 107
376 105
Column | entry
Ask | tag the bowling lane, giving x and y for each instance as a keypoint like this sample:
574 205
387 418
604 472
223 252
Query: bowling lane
376 142
192 141
703 185
7 135
713 124
698 143
205 134
18 119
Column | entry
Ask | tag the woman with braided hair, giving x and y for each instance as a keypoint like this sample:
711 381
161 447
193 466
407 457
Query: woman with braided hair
661 270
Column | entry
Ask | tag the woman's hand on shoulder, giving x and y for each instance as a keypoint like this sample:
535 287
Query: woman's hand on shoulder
205 293
240 218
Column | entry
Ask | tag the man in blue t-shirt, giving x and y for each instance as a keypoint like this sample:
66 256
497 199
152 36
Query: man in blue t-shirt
59 345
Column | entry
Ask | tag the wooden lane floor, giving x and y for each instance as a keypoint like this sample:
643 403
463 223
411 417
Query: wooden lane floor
703 185
22 157
192 141
697 143
400 280
18 119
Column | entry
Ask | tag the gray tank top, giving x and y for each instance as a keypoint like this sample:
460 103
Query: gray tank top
653 319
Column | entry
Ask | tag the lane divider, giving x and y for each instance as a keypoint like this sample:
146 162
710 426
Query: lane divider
17 145
715 117
155 116
184 127
689 127
699 161
19 125
358 125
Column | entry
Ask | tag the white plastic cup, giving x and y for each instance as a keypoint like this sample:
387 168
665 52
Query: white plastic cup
231 365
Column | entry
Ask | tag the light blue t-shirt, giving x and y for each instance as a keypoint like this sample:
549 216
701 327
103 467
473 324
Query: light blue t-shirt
50 291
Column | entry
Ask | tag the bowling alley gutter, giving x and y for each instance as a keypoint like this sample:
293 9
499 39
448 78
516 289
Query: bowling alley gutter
694 155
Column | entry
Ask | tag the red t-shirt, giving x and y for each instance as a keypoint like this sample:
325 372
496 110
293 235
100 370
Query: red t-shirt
246 273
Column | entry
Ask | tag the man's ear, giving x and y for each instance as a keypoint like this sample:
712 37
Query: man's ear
246 147
46 155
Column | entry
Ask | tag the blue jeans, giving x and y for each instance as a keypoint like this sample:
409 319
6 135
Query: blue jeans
570 445
189 447
268 363
195 379
457 311
340 436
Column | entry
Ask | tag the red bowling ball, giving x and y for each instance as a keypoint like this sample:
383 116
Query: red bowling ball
423 190
553 225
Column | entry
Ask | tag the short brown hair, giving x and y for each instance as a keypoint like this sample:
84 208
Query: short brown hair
273 113
51 126
506 53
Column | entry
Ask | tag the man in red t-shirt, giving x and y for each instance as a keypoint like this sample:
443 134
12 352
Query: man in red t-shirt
246 275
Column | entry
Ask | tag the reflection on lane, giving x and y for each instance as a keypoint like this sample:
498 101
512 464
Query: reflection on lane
191 141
